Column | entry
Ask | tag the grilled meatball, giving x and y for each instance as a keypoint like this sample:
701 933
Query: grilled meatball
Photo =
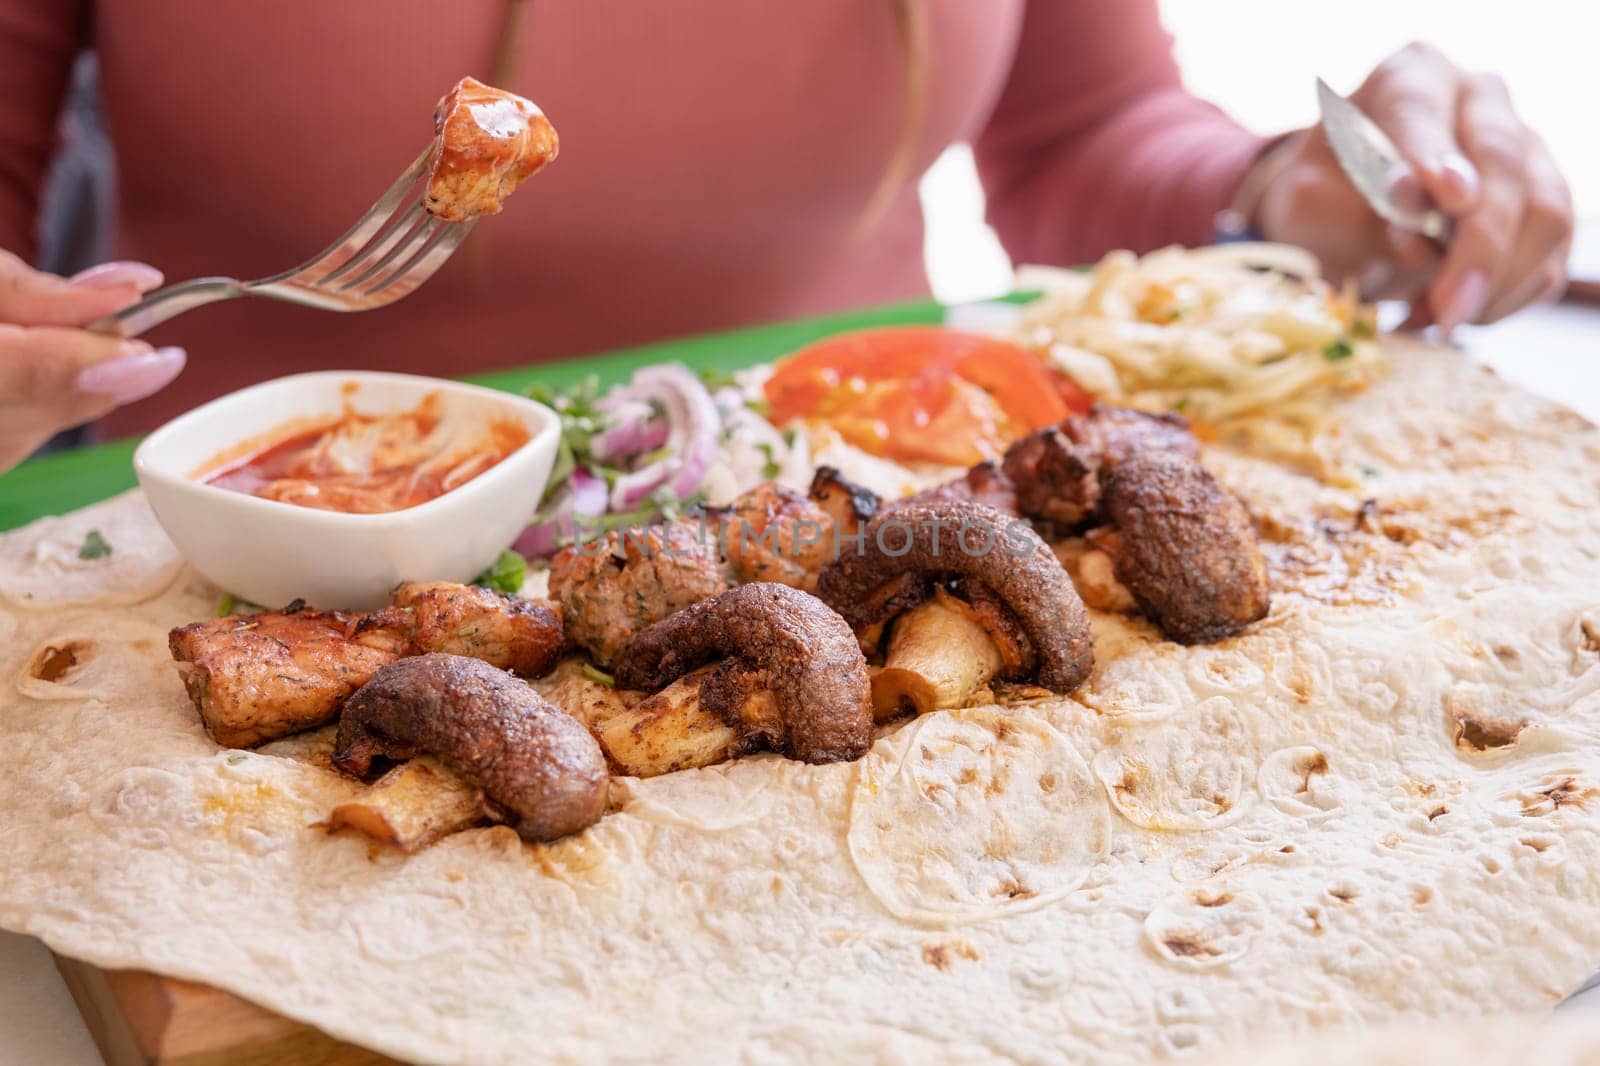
773 533
1184 547
612 588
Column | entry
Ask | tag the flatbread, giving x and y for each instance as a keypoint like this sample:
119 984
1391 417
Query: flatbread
1378 804
1571 1038
41 566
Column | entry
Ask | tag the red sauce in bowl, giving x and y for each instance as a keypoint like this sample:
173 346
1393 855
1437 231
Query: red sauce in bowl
369 464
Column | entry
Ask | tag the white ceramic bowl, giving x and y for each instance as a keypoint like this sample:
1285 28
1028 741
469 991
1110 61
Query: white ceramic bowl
272 552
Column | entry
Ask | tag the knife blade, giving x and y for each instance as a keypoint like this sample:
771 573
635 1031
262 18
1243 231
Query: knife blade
1368 157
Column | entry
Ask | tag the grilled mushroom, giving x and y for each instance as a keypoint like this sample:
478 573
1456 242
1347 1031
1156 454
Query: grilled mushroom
1020 610
536 767
786 674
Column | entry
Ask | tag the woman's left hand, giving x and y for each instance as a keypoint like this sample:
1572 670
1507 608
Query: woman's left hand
1472 157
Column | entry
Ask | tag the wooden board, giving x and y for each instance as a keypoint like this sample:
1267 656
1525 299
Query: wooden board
141 1019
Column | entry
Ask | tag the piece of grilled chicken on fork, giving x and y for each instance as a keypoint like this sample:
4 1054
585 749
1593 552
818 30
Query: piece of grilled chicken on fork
402 240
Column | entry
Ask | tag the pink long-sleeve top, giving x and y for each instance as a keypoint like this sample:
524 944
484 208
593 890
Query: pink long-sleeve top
718 159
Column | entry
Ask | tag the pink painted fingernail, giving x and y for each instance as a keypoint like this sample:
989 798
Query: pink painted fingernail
141 276
1462 174
133 376
1404 187
1466 303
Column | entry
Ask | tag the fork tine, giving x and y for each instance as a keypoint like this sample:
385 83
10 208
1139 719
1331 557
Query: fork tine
421 266
358 235
407 218
420 231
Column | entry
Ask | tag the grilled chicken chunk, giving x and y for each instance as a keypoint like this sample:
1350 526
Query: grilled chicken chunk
523 636
256 677
490 141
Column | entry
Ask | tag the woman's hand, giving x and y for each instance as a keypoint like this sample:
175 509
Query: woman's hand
1472 157
53 375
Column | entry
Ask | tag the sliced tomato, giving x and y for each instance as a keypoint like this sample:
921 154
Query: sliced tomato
921 393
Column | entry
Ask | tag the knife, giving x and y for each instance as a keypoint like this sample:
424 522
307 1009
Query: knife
1368 157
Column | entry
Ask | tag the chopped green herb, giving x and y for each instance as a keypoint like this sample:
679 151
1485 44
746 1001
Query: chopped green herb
231 604
759 406
560 470
1174 313
718 379
598 676
1180 403
95 546
506 575
1361 328
770 468
1370 471
236 758
1337 350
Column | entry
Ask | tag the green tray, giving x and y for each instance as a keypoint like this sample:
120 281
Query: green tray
65 481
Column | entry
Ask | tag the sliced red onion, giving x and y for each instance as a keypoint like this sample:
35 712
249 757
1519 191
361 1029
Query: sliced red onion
628 439
588 493
694 421
583 496
539 541
633 489
693 426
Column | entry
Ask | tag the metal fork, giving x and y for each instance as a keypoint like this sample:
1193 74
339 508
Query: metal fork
391 250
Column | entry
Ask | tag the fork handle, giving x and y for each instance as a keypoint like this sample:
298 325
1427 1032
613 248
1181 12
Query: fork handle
167 303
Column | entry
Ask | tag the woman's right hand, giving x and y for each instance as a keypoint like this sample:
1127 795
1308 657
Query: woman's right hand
54 375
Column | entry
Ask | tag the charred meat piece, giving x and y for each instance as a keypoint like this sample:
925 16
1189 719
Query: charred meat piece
1057 471
848 505
612 588
787 675
911 550
516 634
489 141
1118 433
1184 548
985 483
1056 479
257 677
1180 544
773 533
537 768
260 676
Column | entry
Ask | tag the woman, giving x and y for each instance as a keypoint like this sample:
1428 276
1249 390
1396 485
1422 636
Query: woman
724 162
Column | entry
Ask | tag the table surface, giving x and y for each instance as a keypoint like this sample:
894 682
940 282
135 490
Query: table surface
1549 350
